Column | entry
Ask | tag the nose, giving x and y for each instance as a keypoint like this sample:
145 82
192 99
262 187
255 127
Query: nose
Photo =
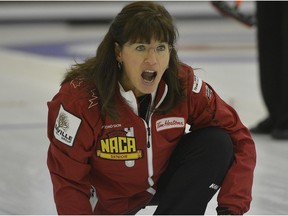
151 57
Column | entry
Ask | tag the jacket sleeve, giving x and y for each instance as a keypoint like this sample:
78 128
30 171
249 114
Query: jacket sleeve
71 139
206 108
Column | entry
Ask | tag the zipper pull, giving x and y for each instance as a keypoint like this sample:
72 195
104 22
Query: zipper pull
148 141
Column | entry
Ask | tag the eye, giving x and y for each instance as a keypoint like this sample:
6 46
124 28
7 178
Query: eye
161 48
140 48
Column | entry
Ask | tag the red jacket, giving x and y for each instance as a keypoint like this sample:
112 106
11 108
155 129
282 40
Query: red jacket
101 166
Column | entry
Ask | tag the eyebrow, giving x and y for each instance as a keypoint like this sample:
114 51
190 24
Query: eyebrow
160 42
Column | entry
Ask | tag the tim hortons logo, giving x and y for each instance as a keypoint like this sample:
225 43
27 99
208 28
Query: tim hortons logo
168 123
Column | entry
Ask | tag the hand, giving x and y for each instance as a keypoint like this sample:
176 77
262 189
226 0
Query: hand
223 211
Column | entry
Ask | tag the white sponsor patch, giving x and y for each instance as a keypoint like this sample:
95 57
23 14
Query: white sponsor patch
168 123
66 127
197 84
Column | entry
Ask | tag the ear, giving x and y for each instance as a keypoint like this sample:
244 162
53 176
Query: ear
118 53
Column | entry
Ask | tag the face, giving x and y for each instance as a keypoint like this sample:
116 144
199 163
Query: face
143 65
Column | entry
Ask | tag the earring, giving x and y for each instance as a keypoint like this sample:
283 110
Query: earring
119 65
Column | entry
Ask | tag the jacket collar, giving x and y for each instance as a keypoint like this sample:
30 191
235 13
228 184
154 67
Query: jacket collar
157 96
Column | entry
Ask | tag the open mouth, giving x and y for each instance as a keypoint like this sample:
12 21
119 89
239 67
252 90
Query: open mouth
149 76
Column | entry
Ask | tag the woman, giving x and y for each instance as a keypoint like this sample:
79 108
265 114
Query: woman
117 129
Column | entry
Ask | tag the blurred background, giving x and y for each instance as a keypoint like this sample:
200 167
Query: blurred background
40 40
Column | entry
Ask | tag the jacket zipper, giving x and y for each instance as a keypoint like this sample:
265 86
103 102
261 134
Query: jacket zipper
148 120
149 154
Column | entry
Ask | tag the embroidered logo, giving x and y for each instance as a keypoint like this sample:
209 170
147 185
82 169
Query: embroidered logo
168 123
66 127
111 126
93 99
76 83
119 146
